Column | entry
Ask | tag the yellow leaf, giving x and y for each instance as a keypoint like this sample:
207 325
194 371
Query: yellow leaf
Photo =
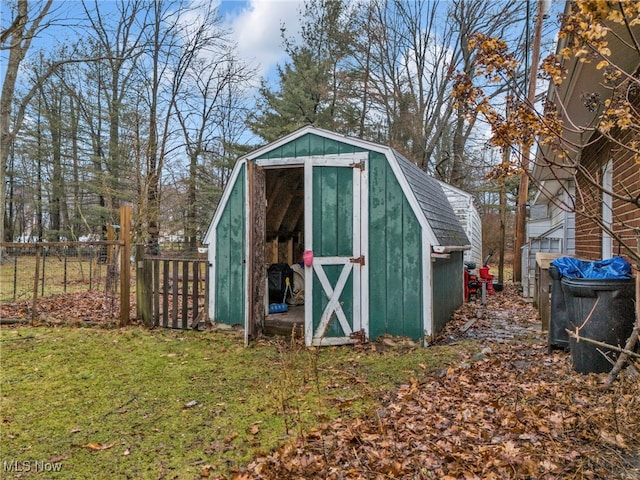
602 64
92 446
97 446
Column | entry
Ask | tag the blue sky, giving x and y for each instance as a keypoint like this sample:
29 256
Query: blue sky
254 25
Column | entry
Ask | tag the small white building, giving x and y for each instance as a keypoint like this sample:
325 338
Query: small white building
464 206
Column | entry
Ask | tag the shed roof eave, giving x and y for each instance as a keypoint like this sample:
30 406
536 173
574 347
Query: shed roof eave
357 142
450 248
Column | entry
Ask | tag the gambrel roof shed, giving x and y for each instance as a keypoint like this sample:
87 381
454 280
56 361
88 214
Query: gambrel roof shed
375 238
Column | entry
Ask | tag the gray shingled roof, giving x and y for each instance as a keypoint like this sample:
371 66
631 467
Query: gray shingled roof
434 204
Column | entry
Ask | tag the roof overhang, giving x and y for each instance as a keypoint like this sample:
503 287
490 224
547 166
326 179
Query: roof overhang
579 117
357 142
450 248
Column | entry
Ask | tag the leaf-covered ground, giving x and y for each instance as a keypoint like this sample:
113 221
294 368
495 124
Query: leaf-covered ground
88 308
512 411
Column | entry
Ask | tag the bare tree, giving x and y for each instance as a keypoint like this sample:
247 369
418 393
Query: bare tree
118 44
26 23
191 66
412 51
202 112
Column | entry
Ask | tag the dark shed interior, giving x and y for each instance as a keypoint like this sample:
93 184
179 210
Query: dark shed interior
284 229
284 242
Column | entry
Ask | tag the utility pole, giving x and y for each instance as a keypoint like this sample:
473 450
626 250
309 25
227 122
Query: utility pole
503 214
523 189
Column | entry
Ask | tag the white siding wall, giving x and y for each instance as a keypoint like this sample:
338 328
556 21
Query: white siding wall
570 234
537 228
550 229
469 217
548 219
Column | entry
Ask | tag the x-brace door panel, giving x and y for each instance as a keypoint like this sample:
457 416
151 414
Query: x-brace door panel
333 209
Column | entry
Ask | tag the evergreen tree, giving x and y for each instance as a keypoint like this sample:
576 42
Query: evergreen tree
316 86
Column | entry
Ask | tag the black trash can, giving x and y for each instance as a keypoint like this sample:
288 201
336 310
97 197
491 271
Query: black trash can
611 304
558 317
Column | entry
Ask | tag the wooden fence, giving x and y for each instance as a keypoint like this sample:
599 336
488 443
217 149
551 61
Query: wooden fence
171 292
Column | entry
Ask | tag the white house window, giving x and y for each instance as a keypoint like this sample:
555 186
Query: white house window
607 209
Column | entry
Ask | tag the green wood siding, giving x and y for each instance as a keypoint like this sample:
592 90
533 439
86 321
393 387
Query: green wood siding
333 212
332 236
447 289
395 253
310 144
230 262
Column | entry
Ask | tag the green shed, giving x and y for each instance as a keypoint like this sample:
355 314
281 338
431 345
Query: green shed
373 243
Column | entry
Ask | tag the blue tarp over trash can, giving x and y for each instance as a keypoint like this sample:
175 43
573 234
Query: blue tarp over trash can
616 268
599 298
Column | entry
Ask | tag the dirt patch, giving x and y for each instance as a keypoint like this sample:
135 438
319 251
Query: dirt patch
505 317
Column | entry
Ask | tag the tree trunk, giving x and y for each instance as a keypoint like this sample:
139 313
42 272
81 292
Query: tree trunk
19 38
191 206
503 221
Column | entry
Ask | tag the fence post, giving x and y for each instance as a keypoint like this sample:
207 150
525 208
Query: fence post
125 269
111 235
34 309
143 287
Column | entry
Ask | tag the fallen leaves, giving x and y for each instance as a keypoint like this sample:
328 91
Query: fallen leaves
86 308
614 439
510 412
98 446
57 458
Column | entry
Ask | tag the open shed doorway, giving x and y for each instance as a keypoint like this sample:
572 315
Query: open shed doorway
283 248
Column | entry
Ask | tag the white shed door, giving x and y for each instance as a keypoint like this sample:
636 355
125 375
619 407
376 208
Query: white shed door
334 215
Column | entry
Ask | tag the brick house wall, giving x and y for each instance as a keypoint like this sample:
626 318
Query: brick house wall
589 198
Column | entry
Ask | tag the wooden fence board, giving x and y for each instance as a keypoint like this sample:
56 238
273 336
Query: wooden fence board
185 294
194 297
156 292
175 291
165 294
174 294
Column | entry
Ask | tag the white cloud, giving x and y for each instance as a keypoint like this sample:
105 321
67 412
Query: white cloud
256 29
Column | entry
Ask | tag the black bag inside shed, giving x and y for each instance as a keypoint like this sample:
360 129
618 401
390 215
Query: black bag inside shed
277 275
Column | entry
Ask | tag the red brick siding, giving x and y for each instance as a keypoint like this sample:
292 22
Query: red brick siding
588 204
626 182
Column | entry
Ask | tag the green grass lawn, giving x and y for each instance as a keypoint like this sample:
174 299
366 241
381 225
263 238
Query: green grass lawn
134 403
